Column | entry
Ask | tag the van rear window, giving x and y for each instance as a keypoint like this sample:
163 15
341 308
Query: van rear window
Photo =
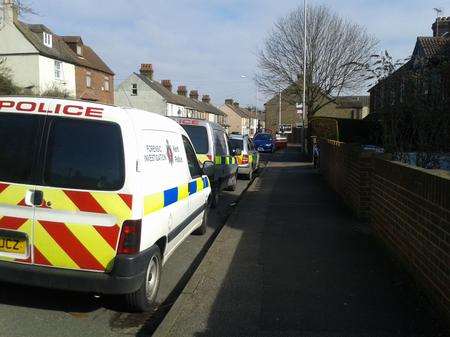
199 137
84 154
19 138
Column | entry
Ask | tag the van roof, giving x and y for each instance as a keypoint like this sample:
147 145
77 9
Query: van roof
199 122
87 110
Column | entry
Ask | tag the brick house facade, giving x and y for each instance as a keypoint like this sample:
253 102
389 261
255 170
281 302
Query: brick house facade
94 79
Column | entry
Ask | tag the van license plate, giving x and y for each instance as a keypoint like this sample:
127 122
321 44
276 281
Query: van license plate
13 246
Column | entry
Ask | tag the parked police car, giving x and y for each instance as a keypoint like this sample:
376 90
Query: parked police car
211 143
248 156
94 198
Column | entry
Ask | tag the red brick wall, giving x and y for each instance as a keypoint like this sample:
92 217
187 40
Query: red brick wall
409 209
347 168
97 82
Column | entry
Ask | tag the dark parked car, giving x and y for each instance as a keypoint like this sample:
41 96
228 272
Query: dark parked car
264 142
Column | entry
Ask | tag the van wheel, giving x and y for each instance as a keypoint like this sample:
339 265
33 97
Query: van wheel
145 297
233 186
214 198
202 229
249 176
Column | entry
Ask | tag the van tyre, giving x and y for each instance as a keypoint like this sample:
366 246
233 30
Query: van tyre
202 229
214 198
144 298
249 176
233 186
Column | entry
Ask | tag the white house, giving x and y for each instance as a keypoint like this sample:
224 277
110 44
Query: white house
38 59
141 91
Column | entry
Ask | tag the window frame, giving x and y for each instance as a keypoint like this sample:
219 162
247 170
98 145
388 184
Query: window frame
186 141
134 89
106 85
88 79
58 69
47 39
41 169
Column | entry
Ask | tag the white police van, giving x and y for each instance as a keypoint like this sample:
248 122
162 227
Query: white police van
94 198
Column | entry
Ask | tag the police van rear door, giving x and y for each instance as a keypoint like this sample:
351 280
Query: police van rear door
82 175
20 138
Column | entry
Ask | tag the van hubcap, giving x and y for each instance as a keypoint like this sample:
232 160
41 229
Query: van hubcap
152 278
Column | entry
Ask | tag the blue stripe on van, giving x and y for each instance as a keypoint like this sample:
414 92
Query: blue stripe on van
170 196
157 201
192 187
205 182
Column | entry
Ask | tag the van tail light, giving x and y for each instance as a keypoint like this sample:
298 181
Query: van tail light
130 237
209 157
245 159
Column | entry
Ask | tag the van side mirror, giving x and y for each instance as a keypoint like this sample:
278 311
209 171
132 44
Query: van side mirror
209 168
237 152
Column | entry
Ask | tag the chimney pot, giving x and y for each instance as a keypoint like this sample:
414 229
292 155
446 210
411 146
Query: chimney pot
167 84
441 27
206 99
147 70
236 104
182 90
193 95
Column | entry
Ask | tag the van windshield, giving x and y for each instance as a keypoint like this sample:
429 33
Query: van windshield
84 154
199 137
263 137
237 144
18 142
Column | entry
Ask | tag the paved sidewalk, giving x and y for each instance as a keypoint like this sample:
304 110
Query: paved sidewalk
291 261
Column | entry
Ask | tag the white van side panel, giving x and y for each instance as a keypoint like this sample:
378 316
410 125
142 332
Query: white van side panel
163 184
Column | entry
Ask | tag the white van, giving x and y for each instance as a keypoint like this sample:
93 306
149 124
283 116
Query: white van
212 144
94 198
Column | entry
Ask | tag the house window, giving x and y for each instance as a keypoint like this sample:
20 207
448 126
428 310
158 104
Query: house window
106 84
79 50
48 39
88 79
58 70
134 89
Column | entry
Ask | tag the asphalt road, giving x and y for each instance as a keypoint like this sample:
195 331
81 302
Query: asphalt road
27 311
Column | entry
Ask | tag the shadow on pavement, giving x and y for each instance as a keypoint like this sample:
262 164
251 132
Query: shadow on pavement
310 269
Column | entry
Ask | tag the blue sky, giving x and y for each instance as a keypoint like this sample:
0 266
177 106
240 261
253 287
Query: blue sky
209 45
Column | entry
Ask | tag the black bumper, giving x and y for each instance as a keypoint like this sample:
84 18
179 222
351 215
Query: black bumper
126 276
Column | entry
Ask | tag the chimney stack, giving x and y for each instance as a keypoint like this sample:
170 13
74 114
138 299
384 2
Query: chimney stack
182 90
236 104
441 27
229 101
167 84
206 99
193 95
10 11
147 70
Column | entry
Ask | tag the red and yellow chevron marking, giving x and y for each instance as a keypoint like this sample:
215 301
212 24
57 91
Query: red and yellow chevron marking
70 245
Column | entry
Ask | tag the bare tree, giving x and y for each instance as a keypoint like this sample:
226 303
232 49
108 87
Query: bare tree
24 7
336 49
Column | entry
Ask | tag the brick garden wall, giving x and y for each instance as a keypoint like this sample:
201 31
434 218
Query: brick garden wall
348 171
409 209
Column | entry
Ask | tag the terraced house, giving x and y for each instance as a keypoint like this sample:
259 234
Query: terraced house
41 61
142 91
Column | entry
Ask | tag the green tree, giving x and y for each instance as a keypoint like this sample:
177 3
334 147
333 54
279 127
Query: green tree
7 86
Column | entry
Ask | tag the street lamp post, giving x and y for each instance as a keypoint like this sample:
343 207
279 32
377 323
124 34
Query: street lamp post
305 109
